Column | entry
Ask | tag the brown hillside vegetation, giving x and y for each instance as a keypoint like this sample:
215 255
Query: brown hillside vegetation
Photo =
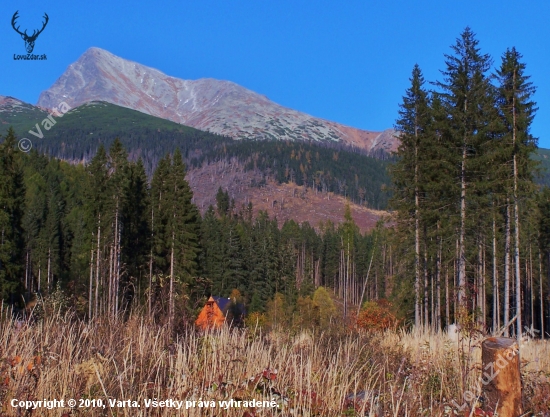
283 201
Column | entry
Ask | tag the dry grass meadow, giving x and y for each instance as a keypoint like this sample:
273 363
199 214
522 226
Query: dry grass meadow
336 373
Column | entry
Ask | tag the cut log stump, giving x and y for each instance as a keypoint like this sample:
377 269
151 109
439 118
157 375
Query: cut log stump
501 376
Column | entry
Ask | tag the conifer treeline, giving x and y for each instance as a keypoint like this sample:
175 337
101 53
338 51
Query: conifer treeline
110 240
464 196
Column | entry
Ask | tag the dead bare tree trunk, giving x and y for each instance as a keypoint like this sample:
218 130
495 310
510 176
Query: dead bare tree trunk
426 299
517 260
462 233
479 289
530 292
151 267
171 293
27 274
117 263
507 269
90 295
49 267
110 288
417 319
496 307
516 219
541 298
484 284
438 282
97 265
367 277
447 300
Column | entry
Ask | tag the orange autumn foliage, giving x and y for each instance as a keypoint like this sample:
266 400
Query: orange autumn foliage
377 316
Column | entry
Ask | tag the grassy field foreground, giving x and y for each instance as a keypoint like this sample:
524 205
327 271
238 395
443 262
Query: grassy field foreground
344 373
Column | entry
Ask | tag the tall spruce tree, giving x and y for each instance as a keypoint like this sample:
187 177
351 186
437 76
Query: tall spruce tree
517 111
466 95
183 225
413 126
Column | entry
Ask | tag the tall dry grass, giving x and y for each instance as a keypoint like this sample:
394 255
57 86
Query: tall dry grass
336 373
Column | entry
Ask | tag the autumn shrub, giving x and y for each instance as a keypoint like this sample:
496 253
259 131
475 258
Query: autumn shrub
255 320
377 316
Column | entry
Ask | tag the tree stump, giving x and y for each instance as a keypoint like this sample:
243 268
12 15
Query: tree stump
501 376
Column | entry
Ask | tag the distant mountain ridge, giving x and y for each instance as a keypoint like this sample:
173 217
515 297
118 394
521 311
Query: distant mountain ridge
22 116
221 107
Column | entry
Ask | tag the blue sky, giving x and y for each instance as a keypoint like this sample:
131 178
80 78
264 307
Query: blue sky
347 61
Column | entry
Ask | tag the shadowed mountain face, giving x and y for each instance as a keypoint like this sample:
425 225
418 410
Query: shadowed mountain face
221 107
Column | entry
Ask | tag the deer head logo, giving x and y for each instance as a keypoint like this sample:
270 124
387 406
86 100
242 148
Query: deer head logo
29 40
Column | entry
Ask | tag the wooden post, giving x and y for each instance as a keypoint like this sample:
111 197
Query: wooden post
501 376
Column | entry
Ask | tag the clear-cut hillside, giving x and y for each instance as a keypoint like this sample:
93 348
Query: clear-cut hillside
221 107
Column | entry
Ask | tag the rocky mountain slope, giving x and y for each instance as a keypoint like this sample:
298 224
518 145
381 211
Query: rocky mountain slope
216 106
17 113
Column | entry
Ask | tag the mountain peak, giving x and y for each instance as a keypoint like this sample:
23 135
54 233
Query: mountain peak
221 107
96 49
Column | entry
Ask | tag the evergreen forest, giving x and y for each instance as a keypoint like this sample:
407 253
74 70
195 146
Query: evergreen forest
105 239
112 227
471 225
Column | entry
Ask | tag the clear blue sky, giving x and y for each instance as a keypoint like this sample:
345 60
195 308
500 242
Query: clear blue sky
347 61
